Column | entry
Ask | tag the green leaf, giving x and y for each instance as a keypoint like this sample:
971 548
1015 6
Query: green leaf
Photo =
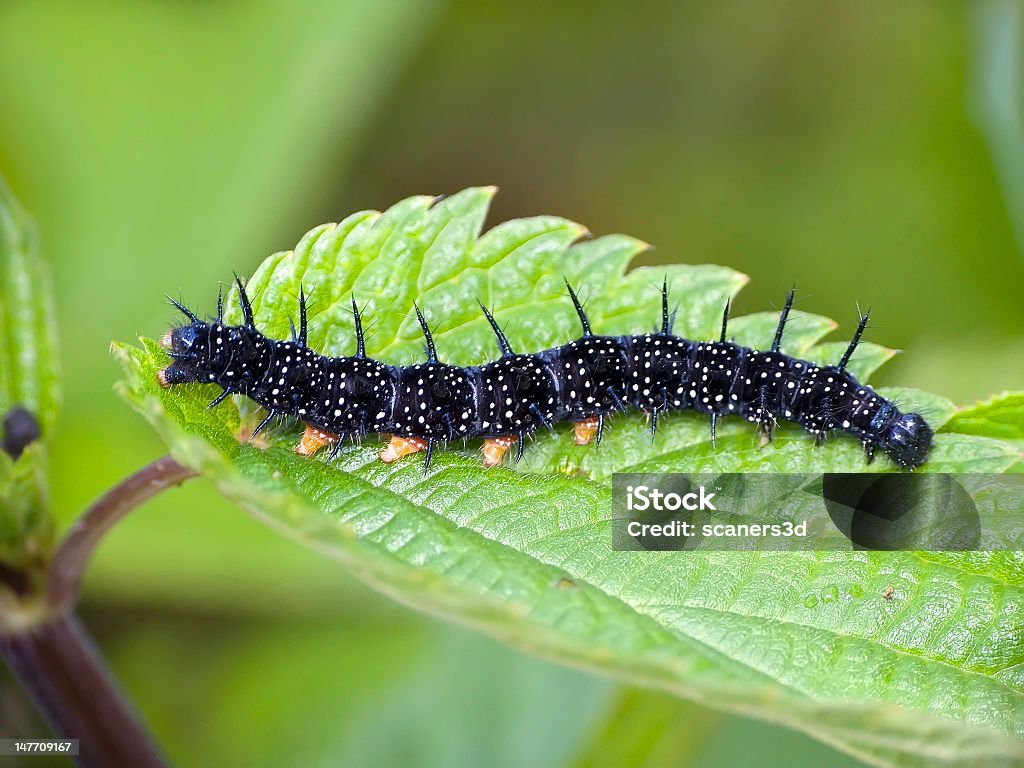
929 676
28 357
26 528
28 381
1001 416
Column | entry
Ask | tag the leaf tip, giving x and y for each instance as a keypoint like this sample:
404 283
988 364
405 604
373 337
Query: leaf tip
119 350
580 232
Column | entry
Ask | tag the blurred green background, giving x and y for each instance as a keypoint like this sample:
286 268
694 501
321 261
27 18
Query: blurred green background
870 153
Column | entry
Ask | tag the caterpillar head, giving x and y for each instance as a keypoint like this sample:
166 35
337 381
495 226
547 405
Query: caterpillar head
191 348
907 440
213 352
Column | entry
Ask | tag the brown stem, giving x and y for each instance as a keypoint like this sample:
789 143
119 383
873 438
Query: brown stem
74 551
54 659
58 666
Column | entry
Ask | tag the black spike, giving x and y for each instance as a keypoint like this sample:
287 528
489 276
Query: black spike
337 447
765 421
725 318
869 451
579 311
430 452
616 399
360 338
600 429
303 328
503 345
521 438
667 319
431 351
270 415
662 407
220 305
536 411
243 299
219 398
300 337
854 341
714 422
783 316
183 309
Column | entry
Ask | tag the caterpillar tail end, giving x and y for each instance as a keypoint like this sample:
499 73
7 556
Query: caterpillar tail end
495 448
313 439
400 447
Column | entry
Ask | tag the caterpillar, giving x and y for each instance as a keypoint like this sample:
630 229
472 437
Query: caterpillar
584 381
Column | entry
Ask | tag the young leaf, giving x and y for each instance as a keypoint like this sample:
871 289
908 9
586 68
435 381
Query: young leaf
928 676
28 357
28 402
999 417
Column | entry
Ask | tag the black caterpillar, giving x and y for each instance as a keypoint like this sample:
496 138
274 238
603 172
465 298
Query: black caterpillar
503 401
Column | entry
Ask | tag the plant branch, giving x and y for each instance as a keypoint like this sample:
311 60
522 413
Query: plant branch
73 553
54 658
58 666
